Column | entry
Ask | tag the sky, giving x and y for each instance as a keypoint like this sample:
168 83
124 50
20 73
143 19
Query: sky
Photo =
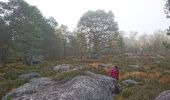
144 16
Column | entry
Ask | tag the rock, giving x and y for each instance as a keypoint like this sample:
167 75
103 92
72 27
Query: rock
157 62
68 67
62 67
129 82
87 87
134 66
29 76
94 56
104 65
128 54
153 57
165 95
160 57
167 71
31 60
28 89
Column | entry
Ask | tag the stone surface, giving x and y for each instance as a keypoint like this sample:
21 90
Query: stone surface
160 57
29 75
87 87
62 67
129 82
28 89
165 95
104 65
31 60
134 66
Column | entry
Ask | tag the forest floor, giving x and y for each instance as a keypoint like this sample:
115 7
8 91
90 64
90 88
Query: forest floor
153 73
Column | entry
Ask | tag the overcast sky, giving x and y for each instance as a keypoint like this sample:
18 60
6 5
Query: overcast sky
144 16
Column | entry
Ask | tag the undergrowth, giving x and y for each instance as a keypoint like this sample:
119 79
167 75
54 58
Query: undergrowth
153 75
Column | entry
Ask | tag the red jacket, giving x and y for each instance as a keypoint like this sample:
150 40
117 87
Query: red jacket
114 73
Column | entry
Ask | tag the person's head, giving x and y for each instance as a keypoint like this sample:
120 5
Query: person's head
116 66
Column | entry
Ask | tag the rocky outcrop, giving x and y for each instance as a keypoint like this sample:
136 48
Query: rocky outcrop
87 87
165 95
29 75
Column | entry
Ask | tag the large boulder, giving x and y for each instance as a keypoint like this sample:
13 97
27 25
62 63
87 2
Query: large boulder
28 89
87 87
29 76
165 95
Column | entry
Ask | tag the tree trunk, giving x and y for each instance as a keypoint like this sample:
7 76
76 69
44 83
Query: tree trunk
3 55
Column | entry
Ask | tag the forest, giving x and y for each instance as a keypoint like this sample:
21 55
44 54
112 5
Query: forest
26 33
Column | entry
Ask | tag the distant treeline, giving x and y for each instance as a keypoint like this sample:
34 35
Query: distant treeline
25 32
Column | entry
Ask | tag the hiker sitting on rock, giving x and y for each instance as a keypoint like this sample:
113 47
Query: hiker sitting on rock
114 72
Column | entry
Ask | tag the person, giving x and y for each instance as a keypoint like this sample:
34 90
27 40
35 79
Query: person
114 72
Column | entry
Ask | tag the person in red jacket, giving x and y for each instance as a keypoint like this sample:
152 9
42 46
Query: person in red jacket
114 72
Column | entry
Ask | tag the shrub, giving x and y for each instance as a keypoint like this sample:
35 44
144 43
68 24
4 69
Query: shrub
11 75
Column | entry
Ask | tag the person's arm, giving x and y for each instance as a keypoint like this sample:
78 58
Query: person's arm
110 72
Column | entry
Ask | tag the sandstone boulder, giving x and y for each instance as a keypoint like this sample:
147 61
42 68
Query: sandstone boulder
87 87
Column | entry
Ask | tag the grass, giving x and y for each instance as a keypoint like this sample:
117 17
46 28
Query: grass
147 91
8 85
153 76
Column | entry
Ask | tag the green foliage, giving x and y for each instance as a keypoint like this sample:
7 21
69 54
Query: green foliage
4 34
5 37
81 44
99 28
11 75
8 98
30 32
10 84
167 8
147 91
